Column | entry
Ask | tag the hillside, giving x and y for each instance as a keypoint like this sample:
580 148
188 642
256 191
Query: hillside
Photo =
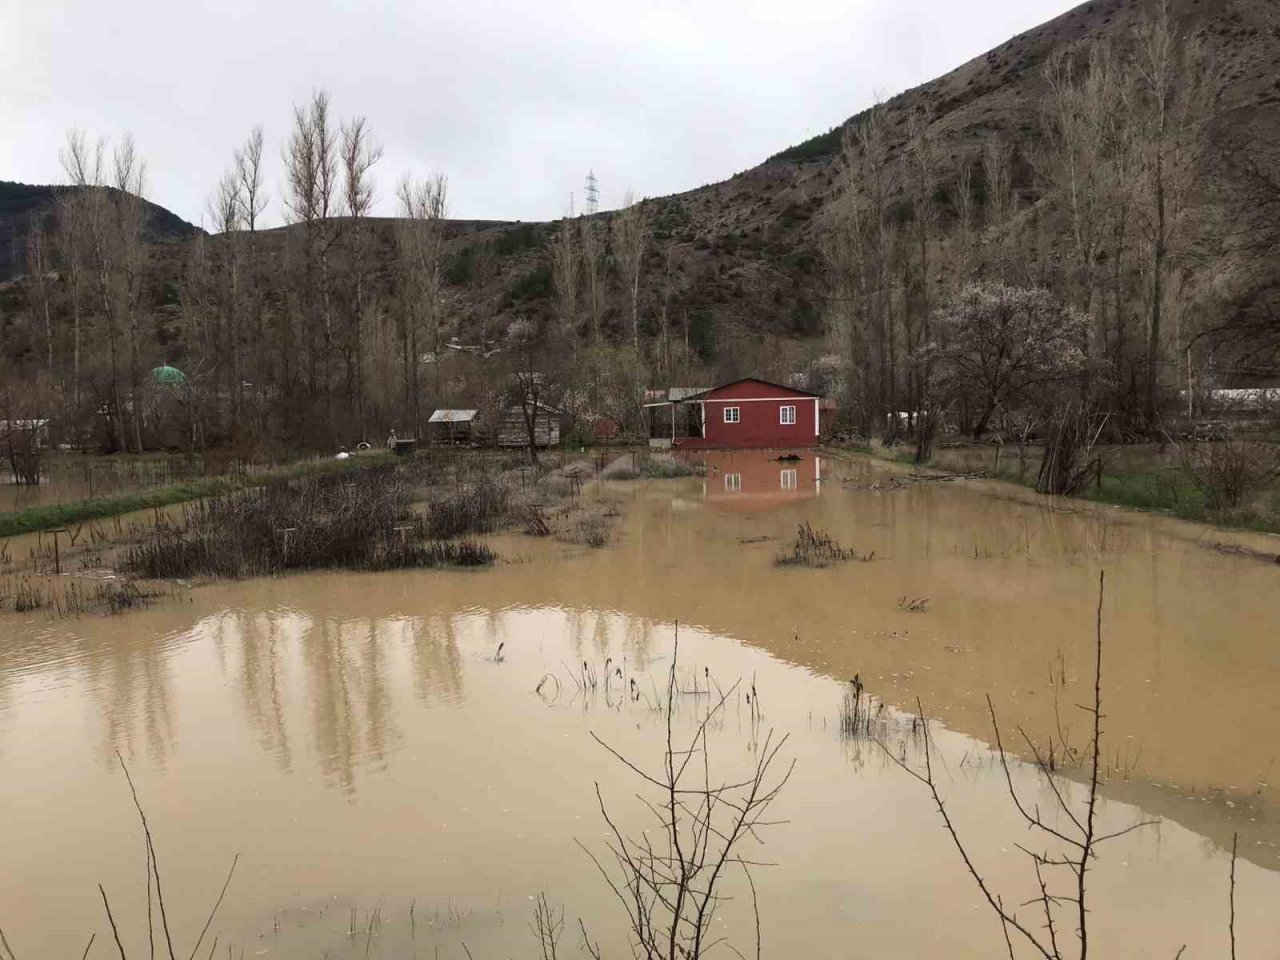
22 203
744 253
736 266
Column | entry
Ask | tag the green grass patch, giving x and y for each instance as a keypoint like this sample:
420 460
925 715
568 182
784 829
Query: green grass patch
48 516
1147 485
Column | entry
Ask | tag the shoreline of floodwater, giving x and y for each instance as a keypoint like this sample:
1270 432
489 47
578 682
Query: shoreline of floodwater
1259 541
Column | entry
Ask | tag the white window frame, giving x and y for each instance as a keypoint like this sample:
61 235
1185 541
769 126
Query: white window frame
783 418
732 414
787 479
733 483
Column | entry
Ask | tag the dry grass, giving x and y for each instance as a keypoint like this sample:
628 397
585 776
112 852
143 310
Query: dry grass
362 523
814 548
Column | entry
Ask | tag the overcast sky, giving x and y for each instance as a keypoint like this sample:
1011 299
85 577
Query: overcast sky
514 100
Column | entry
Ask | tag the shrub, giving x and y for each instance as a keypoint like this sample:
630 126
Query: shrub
667 466
362 522
592 530
1229 472
477 507
620 469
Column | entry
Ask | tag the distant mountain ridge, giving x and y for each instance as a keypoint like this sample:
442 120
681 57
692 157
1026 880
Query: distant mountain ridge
740 258
23 203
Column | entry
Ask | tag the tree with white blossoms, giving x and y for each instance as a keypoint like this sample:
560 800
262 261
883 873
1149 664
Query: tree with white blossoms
998 347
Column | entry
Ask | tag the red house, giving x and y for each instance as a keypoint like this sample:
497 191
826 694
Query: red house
749 413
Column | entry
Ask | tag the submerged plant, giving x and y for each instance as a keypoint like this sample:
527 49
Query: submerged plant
814 548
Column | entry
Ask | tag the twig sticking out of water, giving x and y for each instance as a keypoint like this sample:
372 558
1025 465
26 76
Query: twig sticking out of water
592 949
547 925
1235 837
151 856
856 710
669 880
115 932
1076 842
153 873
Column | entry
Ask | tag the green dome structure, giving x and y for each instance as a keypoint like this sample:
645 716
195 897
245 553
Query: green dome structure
168 376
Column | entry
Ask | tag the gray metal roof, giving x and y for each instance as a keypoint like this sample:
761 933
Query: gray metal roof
453 416
680 393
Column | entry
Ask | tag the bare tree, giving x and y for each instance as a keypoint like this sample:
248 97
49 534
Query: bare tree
592 247
420 265
311 173
226 210
1177 86
631 232
669 262
566 265
922 166
110 224
965 219
71 254
1248 334
359 154
484 269
130 178
39 265
860 243
1084 124
253 202
530 382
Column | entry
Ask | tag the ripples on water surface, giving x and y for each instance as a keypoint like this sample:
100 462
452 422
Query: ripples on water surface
354 738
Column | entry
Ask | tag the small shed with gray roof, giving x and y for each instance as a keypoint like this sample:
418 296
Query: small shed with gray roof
452 426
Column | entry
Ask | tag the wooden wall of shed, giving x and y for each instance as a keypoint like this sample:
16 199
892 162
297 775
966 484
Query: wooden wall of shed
513 432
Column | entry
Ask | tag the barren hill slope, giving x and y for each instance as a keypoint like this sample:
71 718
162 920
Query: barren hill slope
745 252
736 264
22 204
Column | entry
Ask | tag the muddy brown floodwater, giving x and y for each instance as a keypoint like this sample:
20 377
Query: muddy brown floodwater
395 789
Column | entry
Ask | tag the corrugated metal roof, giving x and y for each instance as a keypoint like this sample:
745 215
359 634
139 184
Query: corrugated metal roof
452 416
679 393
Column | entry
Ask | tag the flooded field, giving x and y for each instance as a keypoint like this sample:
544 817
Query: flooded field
67 477
404 761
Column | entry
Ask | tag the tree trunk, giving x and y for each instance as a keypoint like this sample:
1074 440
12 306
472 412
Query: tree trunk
1157 293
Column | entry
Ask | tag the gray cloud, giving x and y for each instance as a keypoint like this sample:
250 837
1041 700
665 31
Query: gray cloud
513 100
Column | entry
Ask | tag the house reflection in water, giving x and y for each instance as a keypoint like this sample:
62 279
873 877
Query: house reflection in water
758 480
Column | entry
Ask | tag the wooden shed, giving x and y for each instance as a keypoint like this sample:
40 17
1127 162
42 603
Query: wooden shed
513 427
452 426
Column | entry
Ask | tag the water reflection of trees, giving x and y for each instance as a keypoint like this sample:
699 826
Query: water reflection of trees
306 679
129 681
345 671
261 659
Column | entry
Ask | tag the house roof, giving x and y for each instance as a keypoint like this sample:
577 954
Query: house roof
510 403
168 375
452 416
768 383
683 393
